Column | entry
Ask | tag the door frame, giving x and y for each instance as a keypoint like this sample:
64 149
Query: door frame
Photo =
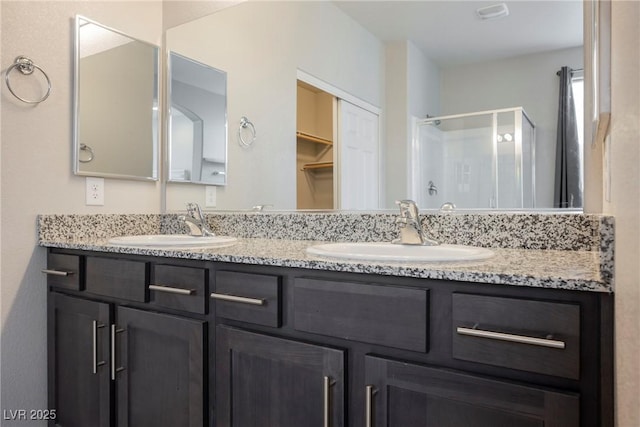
346 96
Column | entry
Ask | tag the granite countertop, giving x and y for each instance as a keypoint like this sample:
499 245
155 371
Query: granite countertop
557 269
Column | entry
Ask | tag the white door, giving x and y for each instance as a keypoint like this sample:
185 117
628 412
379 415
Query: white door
357 157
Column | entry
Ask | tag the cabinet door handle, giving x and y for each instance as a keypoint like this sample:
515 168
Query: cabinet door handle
235 298
95 327
114 370
57 272
501 336
368 406
171 290
327 401
113 352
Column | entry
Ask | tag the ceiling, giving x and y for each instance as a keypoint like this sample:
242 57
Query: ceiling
450 33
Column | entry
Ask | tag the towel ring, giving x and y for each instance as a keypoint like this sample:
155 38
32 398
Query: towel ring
244 124
85 147
26 66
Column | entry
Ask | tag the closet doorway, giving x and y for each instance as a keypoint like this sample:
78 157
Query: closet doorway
315 157
337 150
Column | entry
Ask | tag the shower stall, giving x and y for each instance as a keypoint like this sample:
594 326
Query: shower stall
480 160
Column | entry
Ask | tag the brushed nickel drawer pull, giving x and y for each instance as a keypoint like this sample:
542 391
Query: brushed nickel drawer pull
327 401
235 298
114 370
171 290
368 406
94 334
95 326
113 352
501 336
57 272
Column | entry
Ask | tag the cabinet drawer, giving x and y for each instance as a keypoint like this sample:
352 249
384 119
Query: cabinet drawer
116 278
248 297
180 288
534 336
63 271
377 314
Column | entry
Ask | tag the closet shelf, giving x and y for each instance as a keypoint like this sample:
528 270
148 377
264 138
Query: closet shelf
313 138
317 165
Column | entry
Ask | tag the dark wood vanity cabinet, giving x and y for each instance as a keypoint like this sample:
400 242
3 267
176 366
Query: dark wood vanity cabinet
126 361
234 345
416 353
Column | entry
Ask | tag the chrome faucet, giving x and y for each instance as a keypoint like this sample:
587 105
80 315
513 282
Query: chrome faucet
410 228
195 221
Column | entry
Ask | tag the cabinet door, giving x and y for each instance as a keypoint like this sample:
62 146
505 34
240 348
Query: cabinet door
159 369
78 345
406 395
267 381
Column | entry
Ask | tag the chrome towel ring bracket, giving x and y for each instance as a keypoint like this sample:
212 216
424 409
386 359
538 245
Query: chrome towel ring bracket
89 150
246 124
26 66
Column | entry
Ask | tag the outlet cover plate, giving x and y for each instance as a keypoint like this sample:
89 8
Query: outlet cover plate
94 191
210 196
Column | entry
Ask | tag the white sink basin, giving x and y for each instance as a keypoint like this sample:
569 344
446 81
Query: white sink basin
173 241
378 251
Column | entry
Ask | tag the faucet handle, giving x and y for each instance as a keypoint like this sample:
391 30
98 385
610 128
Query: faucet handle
411 232
408 208
191 209
194 210
196 220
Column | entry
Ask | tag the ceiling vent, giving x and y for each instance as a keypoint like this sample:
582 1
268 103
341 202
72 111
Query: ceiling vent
495 11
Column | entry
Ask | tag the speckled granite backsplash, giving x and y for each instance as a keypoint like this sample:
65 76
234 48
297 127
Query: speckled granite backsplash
507 231
72 227
517 231
504 230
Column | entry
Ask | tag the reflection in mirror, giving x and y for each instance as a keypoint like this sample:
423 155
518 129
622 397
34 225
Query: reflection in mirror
479 160
197 122
116 104
407 60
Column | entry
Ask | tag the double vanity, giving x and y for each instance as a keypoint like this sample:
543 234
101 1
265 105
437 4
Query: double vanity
267 328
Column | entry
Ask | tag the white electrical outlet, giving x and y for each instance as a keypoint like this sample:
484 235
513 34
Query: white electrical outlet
210 196
94 191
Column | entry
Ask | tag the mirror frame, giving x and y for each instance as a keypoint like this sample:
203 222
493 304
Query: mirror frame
597 100
76 105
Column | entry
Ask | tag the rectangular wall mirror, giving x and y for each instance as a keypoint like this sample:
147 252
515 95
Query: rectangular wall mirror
406 61
197 143
115 104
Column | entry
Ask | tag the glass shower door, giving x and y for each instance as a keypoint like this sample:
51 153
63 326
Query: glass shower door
456 162
482 160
